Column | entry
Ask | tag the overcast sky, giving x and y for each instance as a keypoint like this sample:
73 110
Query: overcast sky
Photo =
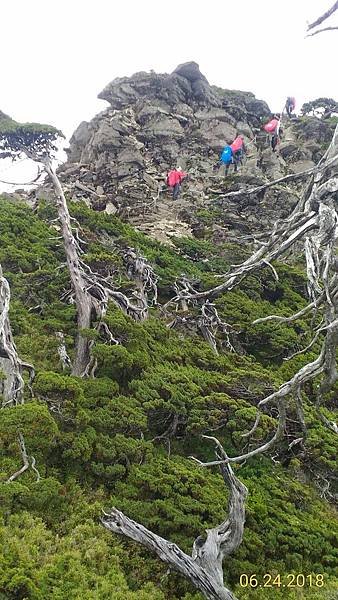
59 54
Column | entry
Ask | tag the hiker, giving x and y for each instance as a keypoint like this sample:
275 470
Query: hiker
238 150
174 181
273 129
290 105
226 158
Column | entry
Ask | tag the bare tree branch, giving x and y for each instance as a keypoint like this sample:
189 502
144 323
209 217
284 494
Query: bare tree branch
304 311
261 188
303 350
280 241
321 31
25 460
323 17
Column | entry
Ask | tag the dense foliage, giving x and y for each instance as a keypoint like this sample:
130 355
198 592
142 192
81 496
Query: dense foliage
34 138
125 437
320 107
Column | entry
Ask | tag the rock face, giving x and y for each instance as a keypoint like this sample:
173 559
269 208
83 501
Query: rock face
158 121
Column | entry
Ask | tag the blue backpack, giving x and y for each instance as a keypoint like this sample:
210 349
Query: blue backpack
226 156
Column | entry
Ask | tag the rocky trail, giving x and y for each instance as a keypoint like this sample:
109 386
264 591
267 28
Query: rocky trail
161 220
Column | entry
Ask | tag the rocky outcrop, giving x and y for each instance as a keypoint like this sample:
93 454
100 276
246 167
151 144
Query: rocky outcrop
186 84
118 161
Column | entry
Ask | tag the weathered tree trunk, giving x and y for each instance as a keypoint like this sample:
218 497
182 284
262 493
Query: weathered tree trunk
11 383
62 351
82 354
205 567
170 553
145 280
84 304
11 371
321 19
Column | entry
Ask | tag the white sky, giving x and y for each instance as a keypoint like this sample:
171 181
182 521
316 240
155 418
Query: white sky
59 54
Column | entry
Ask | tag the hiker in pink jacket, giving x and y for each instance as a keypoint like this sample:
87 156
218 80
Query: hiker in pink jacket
174 181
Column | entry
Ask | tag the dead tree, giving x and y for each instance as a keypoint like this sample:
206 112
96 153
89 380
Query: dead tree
62 351
204 568
11 366
209 324
91 291
12 382
11 370
139 271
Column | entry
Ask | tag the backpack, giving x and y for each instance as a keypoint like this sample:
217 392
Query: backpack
271 126
226 156
237 144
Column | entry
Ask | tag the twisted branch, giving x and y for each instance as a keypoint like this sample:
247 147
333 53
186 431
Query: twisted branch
323 17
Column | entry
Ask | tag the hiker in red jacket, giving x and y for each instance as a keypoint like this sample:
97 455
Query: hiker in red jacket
238 149
174 181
